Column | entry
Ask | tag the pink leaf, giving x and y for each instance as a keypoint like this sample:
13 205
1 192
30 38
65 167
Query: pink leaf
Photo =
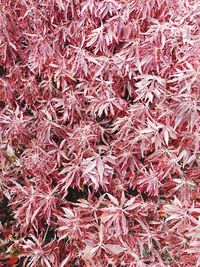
100 168
115 249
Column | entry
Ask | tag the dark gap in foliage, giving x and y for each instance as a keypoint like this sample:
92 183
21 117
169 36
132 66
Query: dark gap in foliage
75 263
29 177
118 47
16 95
50 235
135 192
20 150
127 97
166 256
5 212
23 43
20 262
38 78
115 132
2 71
54 83
173 53
147 154
99 192
101 118
2 104
154 243
152 106
89 49
56 138
101 142
132 192
74 194
18 60
146 253
146 196
22 104
66 43
142 160
147 262
59 114
29 111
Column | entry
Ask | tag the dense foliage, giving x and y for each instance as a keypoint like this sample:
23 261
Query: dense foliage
99 133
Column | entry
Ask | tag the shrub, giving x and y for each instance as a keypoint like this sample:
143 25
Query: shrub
99 133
